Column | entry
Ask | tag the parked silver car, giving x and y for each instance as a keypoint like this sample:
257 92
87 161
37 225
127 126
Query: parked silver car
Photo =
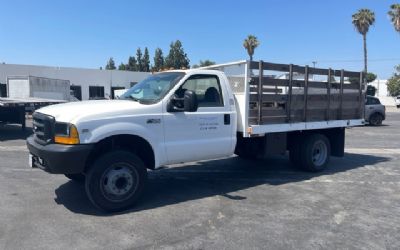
397 101
374 111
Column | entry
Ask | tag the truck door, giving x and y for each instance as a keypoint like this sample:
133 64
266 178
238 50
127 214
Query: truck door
206 133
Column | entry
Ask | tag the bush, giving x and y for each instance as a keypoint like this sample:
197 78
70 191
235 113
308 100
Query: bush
393 85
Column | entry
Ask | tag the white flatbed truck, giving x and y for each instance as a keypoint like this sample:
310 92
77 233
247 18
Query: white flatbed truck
252 109
13 110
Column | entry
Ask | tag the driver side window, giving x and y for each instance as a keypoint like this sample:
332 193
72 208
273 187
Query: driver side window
207 89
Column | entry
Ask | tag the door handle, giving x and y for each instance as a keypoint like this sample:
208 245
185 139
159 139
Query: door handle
227 119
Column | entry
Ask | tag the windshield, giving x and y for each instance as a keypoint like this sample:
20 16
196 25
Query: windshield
153 88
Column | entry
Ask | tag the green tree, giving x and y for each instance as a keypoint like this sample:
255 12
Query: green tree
362 20
146 60
206 63
110 64
158 60
139 59
177 58
393 85
250 44
122 67
370 77
394 14
132 64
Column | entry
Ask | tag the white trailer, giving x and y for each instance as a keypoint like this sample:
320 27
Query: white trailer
22 87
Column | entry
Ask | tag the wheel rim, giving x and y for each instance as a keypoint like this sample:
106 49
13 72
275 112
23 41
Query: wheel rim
319 153
119 182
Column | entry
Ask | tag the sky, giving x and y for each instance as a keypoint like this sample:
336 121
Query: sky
76 33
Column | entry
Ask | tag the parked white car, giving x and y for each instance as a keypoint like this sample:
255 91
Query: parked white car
397 101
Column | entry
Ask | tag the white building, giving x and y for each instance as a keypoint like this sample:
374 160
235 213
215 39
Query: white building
382 92
85 83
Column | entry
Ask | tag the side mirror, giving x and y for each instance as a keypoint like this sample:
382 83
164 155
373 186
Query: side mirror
190 102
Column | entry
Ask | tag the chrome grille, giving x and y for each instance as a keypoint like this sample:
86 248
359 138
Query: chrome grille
43 128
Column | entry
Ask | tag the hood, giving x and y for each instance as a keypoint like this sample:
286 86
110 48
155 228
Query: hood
73 111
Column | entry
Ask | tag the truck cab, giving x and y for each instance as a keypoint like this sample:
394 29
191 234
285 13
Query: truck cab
170 117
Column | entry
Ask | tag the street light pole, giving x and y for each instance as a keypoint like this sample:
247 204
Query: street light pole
313 62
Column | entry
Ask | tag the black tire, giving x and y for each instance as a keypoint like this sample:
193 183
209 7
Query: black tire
76 177
115 181
315 153
376 119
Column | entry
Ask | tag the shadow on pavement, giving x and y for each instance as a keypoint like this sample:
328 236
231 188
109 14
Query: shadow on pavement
209 178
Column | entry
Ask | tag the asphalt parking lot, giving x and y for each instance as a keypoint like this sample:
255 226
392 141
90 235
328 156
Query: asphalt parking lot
221 204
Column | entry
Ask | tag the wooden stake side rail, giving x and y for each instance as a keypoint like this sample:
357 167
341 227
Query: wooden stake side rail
273 101
301 69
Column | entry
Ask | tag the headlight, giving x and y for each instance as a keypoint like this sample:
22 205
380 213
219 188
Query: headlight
66 133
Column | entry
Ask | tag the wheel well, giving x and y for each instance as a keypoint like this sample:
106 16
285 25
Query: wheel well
132 143
336 137
375 113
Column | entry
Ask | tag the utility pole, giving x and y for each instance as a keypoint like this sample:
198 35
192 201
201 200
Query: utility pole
314 62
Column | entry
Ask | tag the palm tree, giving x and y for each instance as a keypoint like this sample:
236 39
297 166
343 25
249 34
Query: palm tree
362 20
394 14
250 44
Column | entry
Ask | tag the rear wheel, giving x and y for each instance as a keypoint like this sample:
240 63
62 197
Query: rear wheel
315 152
376 119
115 181
76 177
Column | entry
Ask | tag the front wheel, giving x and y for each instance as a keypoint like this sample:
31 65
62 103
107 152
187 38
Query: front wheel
115 181
315 153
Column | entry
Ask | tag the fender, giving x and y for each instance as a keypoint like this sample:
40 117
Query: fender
122 127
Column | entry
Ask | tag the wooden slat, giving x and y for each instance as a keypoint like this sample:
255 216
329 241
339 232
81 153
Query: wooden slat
254 89
361 104
289 101
318 71
305 93
270 66
327 115
269 81
276 67
272 112
269 97
260 91
341 92
299 69
347 73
